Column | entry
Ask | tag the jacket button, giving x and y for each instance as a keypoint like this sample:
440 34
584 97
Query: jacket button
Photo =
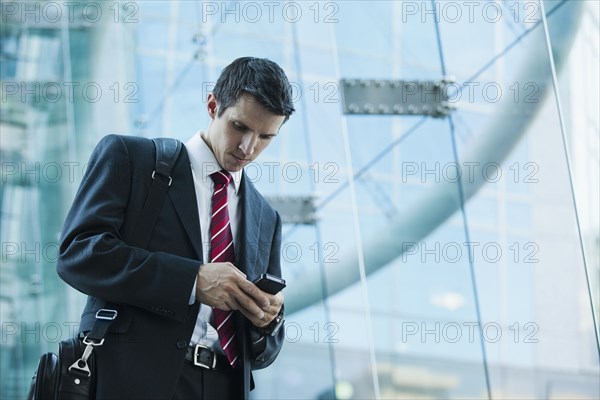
181 344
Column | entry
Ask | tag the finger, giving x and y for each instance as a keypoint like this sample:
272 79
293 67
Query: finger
251 310
272 311
258 295
231 304
280 297
276 299
248 303
252 318
252 313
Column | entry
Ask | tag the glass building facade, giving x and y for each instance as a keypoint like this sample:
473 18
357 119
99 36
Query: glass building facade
452 257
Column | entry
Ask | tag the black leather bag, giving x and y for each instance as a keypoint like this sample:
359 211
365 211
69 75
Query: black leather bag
71 374
56 379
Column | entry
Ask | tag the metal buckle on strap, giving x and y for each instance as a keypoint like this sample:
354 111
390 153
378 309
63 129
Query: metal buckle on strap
90 342
168 177
106 314
81 365
199 363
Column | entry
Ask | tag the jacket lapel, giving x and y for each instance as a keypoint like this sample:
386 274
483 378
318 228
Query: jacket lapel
183 196
252 209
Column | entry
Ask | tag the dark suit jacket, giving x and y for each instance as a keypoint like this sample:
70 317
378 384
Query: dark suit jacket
145 349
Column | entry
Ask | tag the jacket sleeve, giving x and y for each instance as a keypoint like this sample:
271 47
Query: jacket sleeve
266 348
94 257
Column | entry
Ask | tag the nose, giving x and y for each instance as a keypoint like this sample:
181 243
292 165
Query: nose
247 144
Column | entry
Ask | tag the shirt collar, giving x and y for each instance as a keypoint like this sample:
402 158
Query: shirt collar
204 162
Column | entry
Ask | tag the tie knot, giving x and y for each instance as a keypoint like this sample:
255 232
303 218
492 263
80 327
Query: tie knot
221 177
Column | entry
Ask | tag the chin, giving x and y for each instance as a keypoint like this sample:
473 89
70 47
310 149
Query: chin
233 167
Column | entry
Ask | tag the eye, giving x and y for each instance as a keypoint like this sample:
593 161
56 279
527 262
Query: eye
267 137
239 127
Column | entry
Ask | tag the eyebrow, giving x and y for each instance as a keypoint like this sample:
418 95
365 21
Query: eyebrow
244 125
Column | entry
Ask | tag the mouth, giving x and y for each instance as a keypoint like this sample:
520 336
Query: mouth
240 160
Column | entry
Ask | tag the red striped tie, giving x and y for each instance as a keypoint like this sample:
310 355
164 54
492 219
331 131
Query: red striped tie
221 250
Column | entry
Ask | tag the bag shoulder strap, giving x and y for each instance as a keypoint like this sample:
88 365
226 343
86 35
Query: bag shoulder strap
167 152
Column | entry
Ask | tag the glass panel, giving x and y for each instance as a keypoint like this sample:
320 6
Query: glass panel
472 284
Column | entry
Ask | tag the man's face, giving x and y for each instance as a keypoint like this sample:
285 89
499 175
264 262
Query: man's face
241 133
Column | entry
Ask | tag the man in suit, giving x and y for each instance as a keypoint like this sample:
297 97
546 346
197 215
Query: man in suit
190 323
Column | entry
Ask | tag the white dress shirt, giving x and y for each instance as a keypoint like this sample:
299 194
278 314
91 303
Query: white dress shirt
204 163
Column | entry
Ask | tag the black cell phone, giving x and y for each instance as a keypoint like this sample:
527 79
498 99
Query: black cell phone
269 283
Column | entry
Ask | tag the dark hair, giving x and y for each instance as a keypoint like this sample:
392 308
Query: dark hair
260 77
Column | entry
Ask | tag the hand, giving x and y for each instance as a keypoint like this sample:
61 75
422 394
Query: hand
271 312
223 286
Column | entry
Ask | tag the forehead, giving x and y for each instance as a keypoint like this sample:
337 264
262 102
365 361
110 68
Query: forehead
247 104
248 109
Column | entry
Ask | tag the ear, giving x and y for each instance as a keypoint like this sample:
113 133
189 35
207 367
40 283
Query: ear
212 106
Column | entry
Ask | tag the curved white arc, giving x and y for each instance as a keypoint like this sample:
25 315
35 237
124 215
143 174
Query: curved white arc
501 135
